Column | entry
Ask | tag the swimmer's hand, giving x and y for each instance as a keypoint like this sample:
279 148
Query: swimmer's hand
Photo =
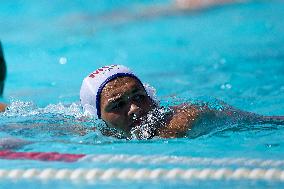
276 120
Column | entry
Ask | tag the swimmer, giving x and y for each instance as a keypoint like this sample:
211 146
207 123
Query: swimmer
6 143
130 109
2 76
117 96
137 12
2 70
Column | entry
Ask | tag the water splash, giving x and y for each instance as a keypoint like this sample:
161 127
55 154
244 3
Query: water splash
53 122
150 123
21 108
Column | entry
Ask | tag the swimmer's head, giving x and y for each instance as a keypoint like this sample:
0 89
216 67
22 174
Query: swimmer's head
114 94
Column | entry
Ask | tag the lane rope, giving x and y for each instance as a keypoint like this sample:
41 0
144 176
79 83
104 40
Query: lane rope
139 159
142 174
178 160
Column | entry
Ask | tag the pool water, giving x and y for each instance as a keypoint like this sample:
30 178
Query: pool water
234 53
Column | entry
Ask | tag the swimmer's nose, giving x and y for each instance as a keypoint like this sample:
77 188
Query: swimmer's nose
134 111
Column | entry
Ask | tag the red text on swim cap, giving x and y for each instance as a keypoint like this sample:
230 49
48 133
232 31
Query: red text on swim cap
92 75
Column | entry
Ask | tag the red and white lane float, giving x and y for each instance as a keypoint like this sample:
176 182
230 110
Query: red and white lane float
140 159
269 170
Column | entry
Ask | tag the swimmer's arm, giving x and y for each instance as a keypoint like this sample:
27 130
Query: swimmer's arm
238 116
199 4
187 118
180 7
177 7
276 120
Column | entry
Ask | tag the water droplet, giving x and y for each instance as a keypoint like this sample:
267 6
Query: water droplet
62 60
228 86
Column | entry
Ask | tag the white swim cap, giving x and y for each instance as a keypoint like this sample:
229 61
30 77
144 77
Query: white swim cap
92 86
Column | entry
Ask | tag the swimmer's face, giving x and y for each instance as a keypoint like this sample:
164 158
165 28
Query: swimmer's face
124 102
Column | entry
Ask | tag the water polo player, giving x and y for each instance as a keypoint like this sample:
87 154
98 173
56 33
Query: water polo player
2 76
118 97
2 70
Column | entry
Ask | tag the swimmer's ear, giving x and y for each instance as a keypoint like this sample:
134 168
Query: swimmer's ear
2 70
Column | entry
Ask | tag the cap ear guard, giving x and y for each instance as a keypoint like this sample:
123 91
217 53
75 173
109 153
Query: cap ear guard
151 91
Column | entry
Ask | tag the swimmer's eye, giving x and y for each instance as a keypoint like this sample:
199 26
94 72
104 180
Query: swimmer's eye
139 97
118 105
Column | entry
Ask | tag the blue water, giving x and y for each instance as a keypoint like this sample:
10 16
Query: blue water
234 53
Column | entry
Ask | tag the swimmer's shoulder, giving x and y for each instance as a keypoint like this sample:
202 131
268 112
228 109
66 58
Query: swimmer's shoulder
182 120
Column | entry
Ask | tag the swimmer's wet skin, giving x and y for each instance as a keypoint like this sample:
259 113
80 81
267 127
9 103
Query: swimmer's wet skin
115 95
